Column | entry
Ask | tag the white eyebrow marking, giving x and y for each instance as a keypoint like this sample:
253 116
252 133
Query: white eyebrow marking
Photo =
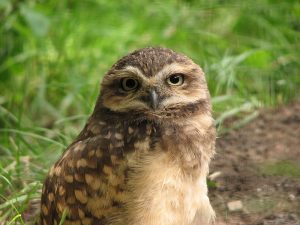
163 73
132 70
138 73
175 68
167 69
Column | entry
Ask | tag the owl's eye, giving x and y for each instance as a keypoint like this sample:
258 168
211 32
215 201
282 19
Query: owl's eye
129 84
176 79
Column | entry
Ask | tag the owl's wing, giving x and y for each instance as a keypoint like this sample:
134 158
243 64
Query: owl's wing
87 183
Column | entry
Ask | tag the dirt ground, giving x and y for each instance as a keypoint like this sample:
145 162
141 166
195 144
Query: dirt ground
265 198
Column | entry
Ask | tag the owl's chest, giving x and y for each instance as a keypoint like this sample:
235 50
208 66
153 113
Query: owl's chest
161 193
159 190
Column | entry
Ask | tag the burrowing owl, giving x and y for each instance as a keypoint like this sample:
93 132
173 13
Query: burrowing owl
142 157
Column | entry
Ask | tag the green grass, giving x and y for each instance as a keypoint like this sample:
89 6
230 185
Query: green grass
54 53
260 205
281 168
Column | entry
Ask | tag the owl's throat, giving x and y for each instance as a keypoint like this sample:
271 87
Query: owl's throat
185 141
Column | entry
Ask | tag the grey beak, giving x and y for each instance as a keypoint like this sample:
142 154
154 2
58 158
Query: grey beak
153 99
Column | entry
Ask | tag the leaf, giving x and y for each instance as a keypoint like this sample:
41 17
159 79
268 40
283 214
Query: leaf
260 59
38 23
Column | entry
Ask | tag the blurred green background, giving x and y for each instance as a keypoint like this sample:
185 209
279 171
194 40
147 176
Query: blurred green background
54 53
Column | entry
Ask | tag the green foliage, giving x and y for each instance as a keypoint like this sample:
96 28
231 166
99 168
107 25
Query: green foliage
53 54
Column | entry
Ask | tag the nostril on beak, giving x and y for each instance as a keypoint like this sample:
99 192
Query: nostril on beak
153 99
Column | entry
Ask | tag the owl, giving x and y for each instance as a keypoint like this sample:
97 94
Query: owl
143 156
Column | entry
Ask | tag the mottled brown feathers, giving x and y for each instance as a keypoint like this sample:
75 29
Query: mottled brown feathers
150 60
133 164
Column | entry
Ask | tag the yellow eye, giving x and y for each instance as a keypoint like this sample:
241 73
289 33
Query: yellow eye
129 84
176 79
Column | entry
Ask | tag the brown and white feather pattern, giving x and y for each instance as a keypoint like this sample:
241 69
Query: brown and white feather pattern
127 169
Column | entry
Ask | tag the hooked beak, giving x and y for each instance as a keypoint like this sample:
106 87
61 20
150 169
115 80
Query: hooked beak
153 97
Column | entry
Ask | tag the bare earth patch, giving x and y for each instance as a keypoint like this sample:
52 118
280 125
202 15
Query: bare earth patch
260 167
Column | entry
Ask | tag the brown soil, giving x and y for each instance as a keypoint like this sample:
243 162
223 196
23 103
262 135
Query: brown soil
274 136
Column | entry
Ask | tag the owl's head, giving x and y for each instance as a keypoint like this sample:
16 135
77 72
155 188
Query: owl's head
154 83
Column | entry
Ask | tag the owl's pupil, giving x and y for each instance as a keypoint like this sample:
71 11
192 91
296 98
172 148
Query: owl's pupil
130 83
175 79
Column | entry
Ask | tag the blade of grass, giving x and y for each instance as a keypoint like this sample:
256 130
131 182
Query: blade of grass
26 133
